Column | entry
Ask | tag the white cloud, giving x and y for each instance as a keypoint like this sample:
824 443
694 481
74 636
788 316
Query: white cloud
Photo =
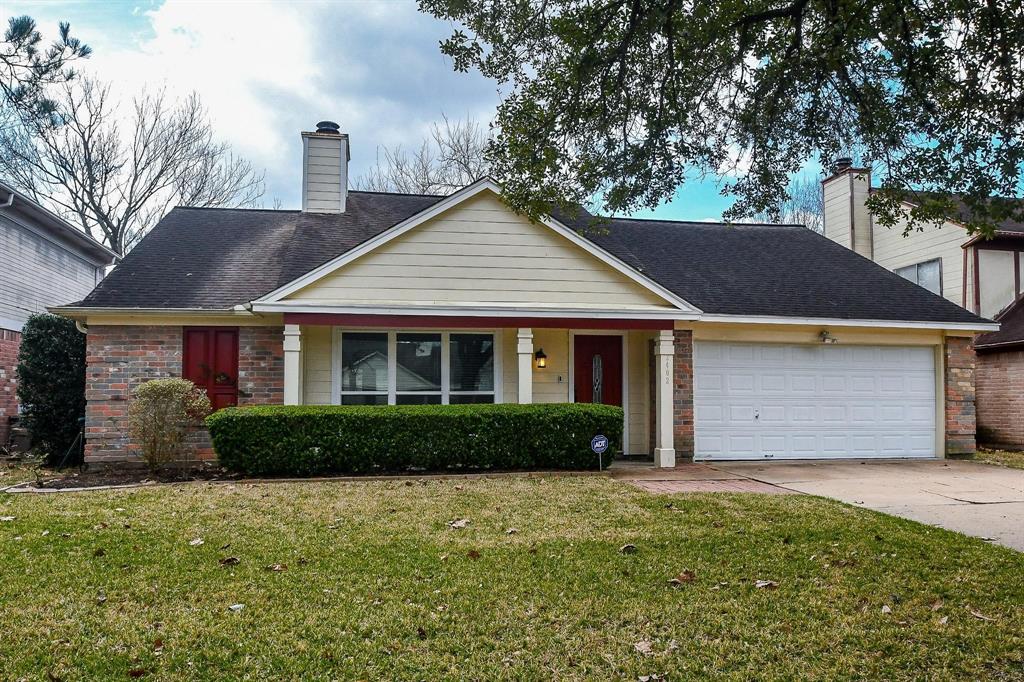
267 70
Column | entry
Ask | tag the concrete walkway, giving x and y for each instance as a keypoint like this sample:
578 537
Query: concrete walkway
976 499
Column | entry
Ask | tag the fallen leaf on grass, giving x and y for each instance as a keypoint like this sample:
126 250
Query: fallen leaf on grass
765 584
511 531
99 552
421 633
53 678
686 576
136 673
473 554
628 549
230 561
980 616
158 645
235 608
644 647
458 523
225 546
653 677
100 526
302 561
886 609
276 568
195 542
936 605
943 620
101 597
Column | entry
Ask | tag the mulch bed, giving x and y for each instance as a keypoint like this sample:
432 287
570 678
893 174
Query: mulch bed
92 478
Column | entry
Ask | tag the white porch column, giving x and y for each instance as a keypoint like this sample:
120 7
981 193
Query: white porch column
292 364
664 352
525 350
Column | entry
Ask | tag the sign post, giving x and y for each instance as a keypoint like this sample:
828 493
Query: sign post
599 444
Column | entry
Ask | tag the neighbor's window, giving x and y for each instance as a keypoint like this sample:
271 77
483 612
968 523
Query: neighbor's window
416 368
927 274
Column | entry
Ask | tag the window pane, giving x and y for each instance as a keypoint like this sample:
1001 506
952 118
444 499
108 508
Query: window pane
928 276
407 399
419 362
370 399
909 272
364 362
470 399
472 362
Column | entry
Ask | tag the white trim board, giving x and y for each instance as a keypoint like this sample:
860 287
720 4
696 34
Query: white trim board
484 185
840 322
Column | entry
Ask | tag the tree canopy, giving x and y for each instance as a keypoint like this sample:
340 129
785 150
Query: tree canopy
627 100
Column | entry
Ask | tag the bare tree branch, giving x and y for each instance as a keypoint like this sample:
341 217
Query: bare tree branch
116 181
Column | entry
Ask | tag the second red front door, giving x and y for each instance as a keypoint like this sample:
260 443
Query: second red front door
597 369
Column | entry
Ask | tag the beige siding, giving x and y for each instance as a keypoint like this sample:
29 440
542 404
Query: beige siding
551 384
316 365
893 250
480 252
325 176
638 404
837 209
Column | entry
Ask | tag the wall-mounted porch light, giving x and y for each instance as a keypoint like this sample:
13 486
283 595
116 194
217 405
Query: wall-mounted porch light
541 358
827 337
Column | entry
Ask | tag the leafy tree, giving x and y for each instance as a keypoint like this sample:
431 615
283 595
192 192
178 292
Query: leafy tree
626 99
27 67
51 384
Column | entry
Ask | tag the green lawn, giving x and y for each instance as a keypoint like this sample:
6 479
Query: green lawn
375 584
1006 458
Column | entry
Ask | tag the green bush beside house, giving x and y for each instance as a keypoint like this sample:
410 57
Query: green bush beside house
308 440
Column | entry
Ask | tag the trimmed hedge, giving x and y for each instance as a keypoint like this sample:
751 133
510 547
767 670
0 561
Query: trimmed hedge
307 440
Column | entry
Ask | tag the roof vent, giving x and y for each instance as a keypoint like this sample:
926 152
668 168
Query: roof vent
841 164
329 127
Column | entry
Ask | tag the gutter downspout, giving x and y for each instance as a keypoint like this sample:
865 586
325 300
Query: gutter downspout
9 202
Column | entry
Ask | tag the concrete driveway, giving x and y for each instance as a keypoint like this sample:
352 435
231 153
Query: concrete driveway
969 497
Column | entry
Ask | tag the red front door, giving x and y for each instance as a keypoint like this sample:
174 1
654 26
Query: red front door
210 361
597 369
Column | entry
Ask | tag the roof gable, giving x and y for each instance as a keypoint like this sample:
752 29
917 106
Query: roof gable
472 250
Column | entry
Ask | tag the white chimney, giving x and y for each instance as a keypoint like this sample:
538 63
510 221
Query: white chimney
325 158
847 219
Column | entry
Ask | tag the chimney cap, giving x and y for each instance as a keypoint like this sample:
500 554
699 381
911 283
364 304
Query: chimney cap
329 127
842 163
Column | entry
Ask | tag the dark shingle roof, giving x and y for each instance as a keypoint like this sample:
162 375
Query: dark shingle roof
219 258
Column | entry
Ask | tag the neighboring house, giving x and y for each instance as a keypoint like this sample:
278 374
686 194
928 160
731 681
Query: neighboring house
44 261
718 341
985 276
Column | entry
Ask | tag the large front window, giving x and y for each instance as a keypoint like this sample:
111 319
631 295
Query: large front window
416 368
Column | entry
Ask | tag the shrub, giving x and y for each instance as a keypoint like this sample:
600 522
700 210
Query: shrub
51 385
305 440
160 413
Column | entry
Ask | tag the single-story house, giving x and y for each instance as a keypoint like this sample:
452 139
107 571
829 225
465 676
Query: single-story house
719 341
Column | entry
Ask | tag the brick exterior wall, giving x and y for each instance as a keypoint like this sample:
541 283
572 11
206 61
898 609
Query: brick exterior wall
261 365
1000 399
961 422
682 403
119 358
10 341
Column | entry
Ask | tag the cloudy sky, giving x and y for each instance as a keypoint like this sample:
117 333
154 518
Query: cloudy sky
267 70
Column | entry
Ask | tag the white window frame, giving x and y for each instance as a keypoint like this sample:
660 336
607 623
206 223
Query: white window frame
917 271
392 392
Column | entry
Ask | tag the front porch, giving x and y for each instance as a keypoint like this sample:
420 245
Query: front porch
640 364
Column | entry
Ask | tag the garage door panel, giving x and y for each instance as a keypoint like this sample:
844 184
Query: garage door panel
790 401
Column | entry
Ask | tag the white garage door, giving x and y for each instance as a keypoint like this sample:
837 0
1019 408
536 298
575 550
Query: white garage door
774 401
